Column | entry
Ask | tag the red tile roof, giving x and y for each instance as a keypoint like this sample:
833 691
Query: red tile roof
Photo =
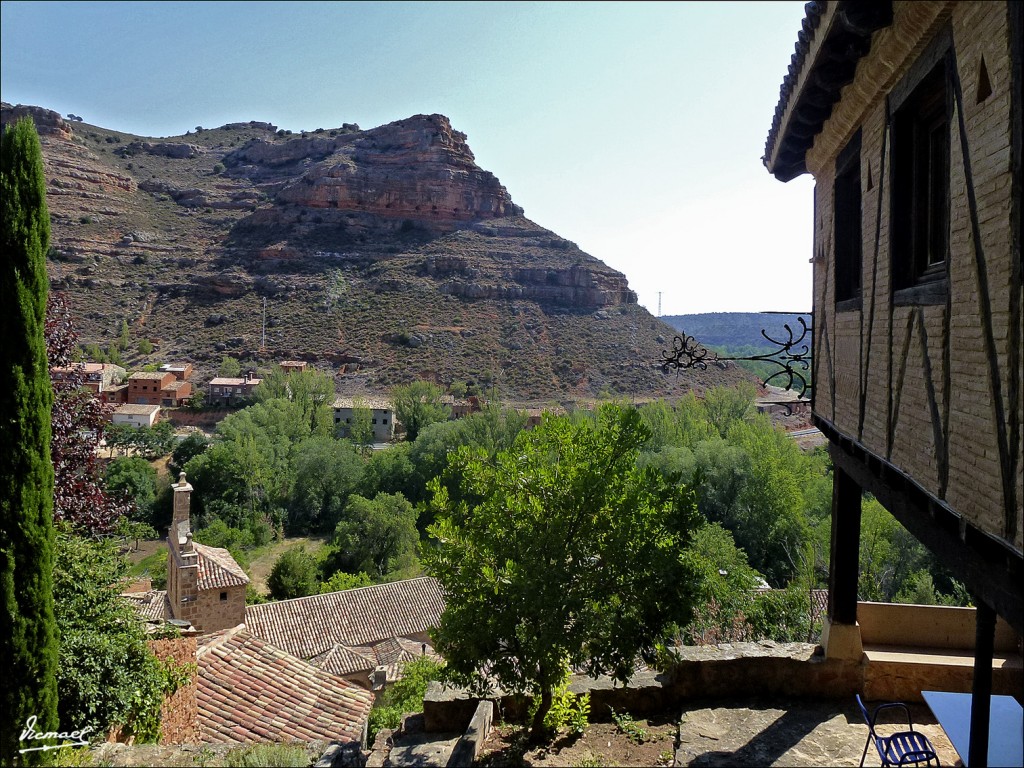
308 626
251 691
390 653
218 569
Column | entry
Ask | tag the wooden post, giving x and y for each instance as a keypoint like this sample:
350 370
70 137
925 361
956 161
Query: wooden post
844 560
981 690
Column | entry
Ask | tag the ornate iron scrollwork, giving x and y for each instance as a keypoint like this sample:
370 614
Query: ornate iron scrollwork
793 356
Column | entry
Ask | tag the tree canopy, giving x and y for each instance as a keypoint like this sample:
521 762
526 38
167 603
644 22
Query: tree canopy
561 552
417 405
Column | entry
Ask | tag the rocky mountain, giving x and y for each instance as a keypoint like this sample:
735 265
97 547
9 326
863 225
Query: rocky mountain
382 255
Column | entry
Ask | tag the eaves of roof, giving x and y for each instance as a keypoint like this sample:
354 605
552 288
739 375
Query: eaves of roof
833 38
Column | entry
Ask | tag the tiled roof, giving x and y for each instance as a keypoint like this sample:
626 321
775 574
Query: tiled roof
373 403
150 605
218 569
390 653
251 691
308 626
139 375
133 409
177 384
832 39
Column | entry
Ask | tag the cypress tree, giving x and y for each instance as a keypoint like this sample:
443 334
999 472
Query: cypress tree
29 648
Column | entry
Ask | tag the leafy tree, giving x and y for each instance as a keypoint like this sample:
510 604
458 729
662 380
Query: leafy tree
295 574
133 529
107 676
417 405
311 391
230 368
78 422
376 536
326 473
404 695
29 656
124 338
145 347
390 471
134 479
340 581
561 551
361 429
192 445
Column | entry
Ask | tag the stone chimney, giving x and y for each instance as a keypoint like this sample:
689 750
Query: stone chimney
181 526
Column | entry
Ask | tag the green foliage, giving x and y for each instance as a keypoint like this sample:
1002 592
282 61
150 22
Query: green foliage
629 727
192 445
562 550
340 581
107 675
418 405
361 429
404 695
145 347
29 650
295 574
270 756
326 472
230 368
569 711
134 478
311 391
376 536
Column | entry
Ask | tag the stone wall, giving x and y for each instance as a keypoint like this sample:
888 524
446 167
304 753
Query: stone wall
178 714
213 614
740 669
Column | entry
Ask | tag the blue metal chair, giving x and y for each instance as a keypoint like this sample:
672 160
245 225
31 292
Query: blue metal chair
907 747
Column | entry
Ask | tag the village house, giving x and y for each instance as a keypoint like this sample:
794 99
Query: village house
909 117
231 391
181 371
105 380
158 387
293 366
382 417
138 416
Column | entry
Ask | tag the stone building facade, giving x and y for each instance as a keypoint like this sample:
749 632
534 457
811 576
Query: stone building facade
908 115
205 586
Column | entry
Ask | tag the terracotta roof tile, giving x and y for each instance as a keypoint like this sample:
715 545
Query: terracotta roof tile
218 569
308 626
251 691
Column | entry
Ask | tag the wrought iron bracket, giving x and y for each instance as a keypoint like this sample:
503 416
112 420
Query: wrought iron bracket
792 356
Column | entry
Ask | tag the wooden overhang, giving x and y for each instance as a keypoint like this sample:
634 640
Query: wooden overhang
834 37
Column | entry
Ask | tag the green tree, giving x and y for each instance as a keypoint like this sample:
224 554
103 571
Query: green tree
340 581
295 574
124 338
311 391
417 405
230 368
562 551
135 479
376 536
326 472
107 677
29 655
361 429
193 444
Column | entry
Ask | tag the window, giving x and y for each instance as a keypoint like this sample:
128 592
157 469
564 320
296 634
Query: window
920 188
223 597
848 243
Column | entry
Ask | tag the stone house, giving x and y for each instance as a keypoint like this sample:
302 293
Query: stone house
382 417
105 380
293 366
181 371
908 115
232 391
139 416
205 586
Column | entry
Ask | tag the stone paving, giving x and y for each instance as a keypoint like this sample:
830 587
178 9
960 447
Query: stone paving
789 733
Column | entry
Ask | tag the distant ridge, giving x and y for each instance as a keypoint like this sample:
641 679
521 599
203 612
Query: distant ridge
736 329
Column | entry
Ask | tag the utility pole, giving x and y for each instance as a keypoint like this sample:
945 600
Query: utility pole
659 303
263 343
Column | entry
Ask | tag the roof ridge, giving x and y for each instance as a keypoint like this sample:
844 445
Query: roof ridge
219 641
340 591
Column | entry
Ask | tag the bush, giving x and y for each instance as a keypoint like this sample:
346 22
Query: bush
269 755
295 574
405 695
145 346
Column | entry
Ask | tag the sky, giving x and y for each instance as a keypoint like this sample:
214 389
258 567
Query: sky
634 129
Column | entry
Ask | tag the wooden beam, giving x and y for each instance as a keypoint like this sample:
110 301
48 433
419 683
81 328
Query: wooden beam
844 562
981 690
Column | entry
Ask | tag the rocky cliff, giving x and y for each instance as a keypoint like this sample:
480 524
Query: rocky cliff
383 255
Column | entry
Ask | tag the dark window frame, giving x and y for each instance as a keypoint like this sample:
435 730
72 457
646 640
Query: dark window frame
847 227
920 115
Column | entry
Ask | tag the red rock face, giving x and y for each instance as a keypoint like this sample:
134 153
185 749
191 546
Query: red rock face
417 169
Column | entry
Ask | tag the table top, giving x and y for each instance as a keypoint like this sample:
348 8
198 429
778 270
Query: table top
1006 725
